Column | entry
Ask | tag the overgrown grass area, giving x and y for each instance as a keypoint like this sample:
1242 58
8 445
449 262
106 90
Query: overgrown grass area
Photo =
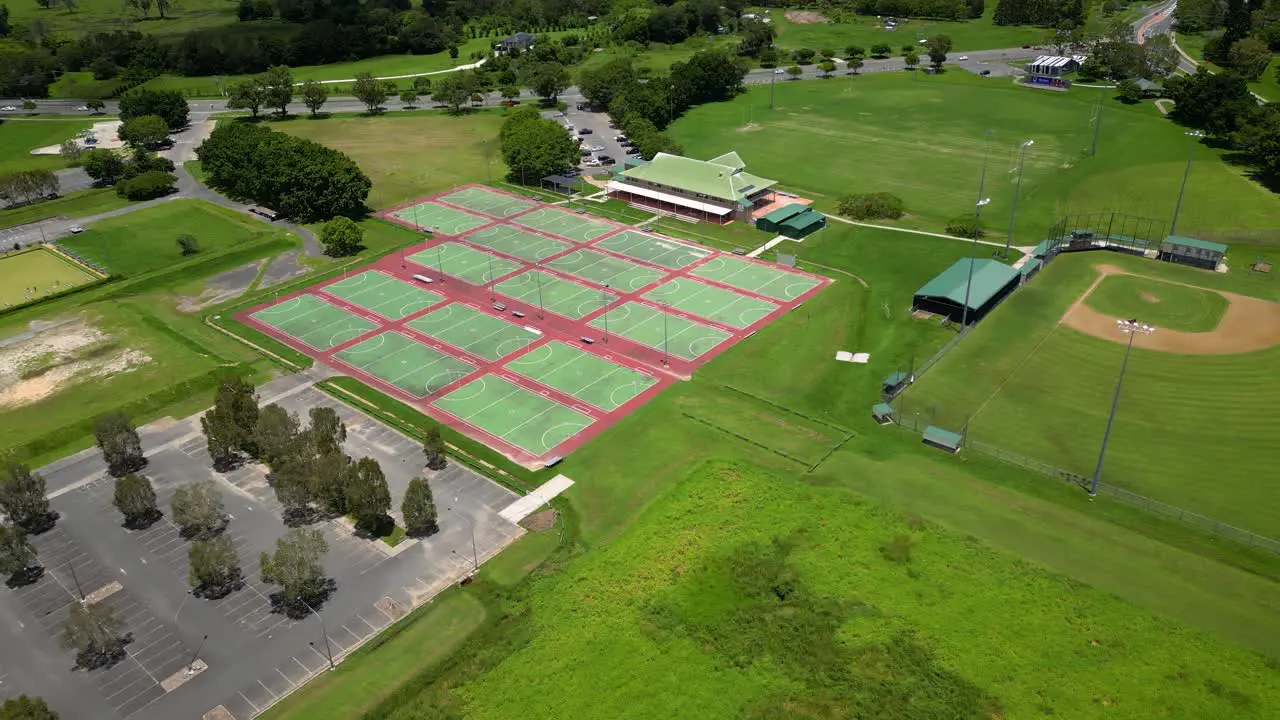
19 137
1029 385
408 156
850 29
924 140
659 57
81 203
147 239
108 15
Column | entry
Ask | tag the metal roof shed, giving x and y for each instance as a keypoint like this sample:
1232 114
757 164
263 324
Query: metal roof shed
984 283
802 224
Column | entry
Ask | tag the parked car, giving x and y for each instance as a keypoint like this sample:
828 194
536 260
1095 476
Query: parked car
77 229
592 162
620 138
605 159
594 148
963 57
985 73
585 131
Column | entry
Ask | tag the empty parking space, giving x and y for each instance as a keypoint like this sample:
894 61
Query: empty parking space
575 226
756 277
511 240
711 302
405 363
604 269
514 414
587 377
476 332
660 330
439 218
383 294
657 251
464 262
553 294
489 202
314 322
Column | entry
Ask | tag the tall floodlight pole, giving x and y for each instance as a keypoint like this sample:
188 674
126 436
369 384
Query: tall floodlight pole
328 651
772 77
196 655
1097 121
475 555
1195 136
604 300
537 277
977 217
666 357
1017 190
491 297
439 258
1132 328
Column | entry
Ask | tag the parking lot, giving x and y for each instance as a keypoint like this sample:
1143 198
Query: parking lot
243 656
601 134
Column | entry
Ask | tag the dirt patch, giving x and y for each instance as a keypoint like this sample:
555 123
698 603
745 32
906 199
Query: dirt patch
223 286
540 521
805 17
1148 297
48 361
749 127
1248 325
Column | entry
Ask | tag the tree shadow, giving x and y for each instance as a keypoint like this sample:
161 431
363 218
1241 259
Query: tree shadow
42 524
422 531
25 577
217 591
322 115
229 463
307 515
372 529
204 533
97 657
143 520
299 607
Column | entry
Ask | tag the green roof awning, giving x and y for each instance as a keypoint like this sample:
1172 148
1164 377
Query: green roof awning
1031 266
935 435
805 220
882 410
989 278
783 213
895 378
1041 249
1197 243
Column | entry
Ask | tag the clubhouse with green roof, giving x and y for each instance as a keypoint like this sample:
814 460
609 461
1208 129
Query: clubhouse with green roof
979 284
715 190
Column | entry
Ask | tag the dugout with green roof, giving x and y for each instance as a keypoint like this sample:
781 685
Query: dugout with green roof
1204 254
987 283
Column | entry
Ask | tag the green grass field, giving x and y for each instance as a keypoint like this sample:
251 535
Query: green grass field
1163 304
408 156
1030 386
923 140
659 57
866 31
81 203
98 15
31 275
19 137
147 239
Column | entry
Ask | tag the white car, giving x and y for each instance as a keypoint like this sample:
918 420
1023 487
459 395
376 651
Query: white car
963 57
77 229
779 71
594 148
8 108
83 108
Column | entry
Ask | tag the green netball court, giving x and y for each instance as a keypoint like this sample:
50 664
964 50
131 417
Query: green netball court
511 240
554 294
756 278
565 224
710 302
383 294
603 269
513 414
405 363
682 338
587 377
493 204
667 253
478 333
445 220
464 262
312 321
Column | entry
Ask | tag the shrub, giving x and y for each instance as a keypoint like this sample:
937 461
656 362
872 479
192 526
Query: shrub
897 550
966 226
867 206
149 185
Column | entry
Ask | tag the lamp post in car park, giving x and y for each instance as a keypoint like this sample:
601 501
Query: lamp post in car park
1132 328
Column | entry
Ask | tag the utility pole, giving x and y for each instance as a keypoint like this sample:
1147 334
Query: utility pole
605 303
1017 190
196 655
328 651
666 357
977 215
1195 136
475 556
1097 122
491 296
1132 328
537 277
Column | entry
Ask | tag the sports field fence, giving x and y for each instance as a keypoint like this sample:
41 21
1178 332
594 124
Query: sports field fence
917 423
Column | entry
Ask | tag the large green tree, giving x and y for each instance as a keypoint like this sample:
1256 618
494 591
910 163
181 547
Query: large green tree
230 425
368 498
295 567
198 510
454 90
144 133
547 79
248 95
17 556
120 445
95 633
600 84
136 500
276 433
277 83
369 90
214 568
105 166
168 104
419 509
433 448
23 707
534 147
22 498
341 237
314 96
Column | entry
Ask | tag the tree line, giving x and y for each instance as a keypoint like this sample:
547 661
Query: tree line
1242 34
1221 105
1045 13
22 187
299 178
618 87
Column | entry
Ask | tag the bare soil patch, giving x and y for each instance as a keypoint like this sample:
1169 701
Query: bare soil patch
805 17
1249 324
1148 297
540 521
52 359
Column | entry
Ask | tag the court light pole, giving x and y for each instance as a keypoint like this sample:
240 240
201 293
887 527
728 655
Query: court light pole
1017 190
537 277
604 293
491 292
665 355
1132 328
1195 136
328 651
439 259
